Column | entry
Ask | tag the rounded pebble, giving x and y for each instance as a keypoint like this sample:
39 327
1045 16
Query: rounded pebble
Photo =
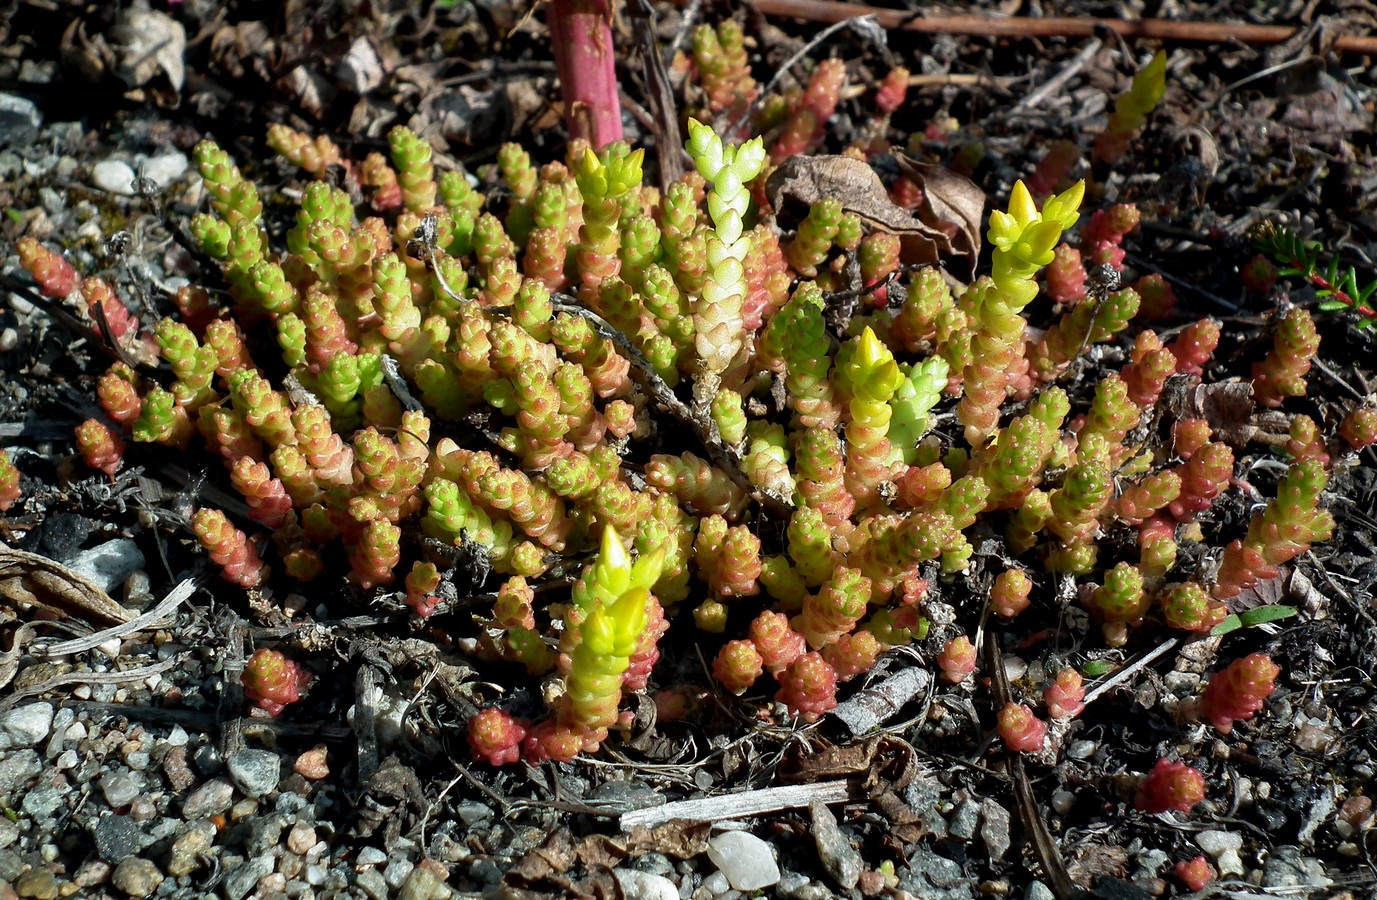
210 799
40 884
137 877
26 725
747 861
187 853
113 176
645 886
312 764
120 788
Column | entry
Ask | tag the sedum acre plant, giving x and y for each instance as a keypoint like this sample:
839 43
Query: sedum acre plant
418 381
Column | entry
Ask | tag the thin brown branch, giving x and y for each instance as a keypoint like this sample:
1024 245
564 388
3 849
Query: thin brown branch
1021 26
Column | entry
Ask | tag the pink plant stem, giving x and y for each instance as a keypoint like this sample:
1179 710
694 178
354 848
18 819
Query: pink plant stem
586 63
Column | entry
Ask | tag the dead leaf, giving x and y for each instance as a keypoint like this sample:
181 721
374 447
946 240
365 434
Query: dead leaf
554 857
1091 861
1228 407
949 201
9 660
680 839
149 42
29 580
905 825
235 49
360 70
947 227
884 760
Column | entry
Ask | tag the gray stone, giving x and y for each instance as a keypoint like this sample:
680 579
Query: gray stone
118 838
994 828
372 883
255 772
120 788
62 720
397 871
242 879
716 885
45 800
9 832
965 819
1150 863
11 864
473 813
137 877
26 725
935 877
264 834
654 863
210 799
1036 890
747 862
839 859
924 795
111 563
625 796
369 856
645 886
1286 867
18 769
188 851
19 121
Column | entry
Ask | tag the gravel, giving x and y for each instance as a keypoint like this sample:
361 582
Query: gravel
19 120
255 772
137 877
25 726
747 862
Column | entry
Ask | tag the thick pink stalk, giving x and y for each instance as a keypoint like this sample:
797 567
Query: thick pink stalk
586 63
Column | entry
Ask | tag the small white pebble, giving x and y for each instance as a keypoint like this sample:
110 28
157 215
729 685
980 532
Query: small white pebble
1063 801
111 648
9 339
1015 667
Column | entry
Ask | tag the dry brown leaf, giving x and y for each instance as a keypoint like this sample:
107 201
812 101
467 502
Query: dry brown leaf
29 580
235 49
554 857
1091 861
148 43
885 760
1228 407
946 229
679 839
952 203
